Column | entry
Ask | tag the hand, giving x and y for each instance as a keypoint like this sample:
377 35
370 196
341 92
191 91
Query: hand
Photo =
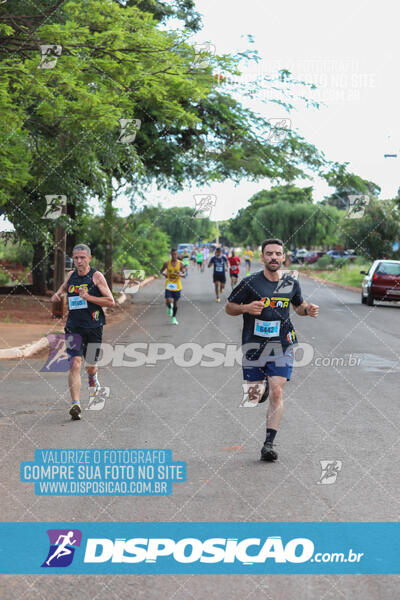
312 310
255 308
56 297
83 293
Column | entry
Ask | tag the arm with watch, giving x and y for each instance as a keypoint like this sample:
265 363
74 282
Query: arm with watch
306 309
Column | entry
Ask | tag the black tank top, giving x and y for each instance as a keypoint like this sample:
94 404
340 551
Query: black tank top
81 312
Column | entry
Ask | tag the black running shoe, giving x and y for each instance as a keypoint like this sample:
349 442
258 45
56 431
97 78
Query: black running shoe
75 412
265 394
268 452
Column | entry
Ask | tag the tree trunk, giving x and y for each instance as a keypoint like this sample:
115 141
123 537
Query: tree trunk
108 231
71 237
39 270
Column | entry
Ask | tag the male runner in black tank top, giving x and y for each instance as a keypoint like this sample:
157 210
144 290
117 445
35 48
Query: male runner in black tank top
87 293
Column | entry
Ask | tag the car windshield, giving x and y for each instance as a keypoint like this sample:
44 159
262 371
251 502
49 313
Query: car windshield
389 268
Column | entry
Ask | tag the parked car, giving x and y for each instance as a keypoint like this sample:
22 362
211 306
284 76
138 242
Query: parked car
312 257
337 254
299 255
382 282
182 247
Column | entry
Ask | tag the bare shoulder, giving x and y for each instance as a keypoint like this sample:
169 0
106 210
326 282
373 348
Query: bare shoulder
98 277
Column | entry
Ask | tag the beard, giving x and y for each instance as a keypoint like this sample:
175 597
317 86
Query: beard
272 266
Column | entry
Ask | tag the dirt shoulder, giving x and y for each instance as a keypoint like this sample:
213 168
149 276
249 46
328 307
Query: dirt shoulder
26 319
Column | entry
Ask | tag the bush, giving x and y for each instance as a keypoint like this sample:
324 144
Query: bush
323 262
4 277
360 261
341 262
18 253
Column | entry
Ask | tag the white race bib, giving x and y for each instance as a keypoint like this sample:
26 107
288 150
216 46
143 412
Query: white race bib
219 268
266 328
172 286
76 302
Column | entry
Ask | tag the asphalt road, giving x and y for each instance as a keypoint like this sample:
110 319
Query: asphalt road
336 411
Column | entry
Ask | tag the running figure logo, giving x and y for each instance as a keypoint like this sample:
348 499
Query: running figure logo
61 551
251 394
204 204
58 360
330 470
98 400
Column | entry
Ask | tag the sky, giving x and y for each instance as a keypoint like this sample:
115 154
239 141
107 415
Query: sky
349 50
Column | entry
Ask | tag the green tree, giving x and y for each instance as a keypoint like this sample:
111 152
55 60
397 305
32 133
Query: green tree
299 224
374 233
62 124
180 224
346 184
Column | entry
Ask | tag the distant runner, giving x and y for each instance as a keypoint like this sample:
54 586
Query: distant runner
87 293
185 261
193 256
234 269
200 260
219 263
248 256
264 300
173 270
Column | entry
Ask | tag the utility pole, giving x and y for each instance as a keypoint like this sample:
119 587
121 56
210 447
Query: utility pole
218 233
59 265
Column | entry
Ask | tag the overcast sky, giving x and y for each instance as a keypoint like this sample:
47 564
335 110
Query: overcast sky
349 50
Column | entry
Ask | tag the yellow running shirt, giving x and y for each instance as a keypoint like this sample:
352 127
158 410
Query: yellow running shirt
249 254
173 280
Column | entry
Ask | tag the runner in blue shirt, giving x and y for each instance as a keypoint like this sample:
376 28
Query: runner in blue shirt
219 262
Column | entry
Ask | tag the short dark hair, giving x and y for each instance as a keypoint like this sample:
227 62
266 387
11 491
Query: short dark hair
174 250
271 241
82 248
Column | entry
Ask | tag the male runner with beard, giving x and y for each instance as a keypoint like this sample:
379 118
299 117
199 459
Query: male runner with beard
264 300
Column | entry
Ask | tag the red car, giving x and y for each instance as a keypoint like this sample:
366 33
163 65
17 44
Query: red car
312 257
382 282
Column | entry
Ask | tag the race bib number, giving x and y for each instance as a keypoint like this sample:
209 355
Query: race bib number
266 328
219 268
172 286
76 302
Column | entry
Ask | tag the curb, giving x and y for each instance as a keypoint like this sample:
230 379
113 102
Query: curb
28 350
24 351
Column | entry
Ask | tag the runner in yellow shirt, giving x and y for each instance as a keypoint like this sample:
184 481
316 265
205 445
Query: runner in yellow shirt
173 270
248 256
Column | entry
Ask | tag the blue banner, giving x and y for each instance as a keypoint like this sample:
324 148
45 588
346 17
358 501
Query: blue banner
199 548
